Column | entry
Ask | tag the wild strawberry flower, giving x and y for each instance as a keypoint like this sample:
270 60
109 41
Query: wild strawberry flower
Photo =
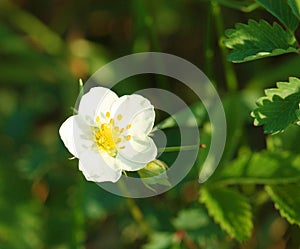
110 134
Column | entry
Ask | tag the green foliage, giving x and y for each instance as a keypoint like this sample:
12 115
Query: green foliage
298 114
160 241
198 226
279 165
230 209
282 11
243 103
45 201
285 141
257 40
295 5
280 107
191 219
287 200
278 168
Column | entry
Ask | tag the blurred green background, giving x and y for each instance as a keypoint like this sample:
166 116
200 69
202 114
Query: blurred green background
45 47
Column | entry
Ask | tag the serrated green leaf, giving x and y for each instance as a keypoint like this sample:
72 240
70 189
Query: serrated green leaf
257 40
295 5
278 109
261 168
230 210
160 241
199 227
191 219
276 114
287 200
282 11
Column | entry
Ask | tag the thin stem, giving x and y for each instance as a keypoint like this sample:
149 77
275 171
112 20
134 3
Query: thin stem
135 211
145 27
230 76
208 48
180 148
138 216
154 38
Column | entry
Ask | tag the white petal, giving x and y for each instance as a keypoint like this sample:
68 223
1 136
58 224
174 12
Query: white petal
129 165
97 102
135 110
140 151
76 135
142 123
98 167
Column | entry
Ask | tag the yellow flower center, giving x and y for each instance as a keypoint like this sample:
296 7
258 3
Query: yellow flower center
105 140
107 135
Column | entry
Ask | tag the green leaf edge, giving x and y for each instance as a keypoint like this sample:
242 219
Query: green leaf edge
228 229
291 28
280 205
294 9
268 95
259 55
217 178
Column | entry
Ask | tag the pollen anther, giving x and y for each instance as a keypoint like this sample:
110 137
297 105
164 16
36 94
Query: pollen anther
107 135
119 117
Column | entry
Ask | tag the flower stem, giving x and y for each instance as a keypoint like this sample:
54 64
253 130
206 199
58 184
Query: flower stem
135 211
208 45
230 76
181 148
138 216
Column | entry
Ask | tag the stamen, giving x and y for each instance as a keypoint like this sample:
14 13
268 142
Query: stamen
119 117
104 138
107 136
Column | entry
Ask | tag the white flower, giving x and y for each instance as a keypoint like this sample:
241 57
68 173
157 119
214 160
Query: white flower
110 134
